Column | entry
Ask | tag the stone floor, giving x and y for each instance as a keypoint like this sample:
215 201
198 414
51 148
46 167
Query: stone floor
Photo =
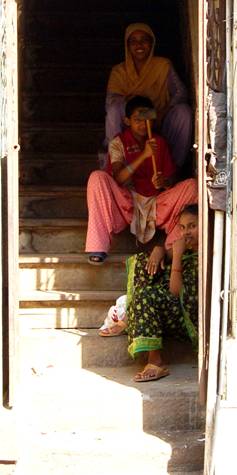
91 421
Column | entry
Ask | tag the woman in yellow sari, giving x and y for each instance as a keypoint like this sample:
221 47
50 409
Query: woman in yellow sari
144 74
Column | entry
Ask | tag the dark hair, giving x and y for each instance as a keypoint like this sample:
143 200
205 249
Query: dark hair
137 102
191 209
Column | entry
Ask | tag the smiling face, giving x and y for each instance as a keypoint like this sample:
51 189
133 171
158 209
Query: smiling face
137 125
188 224
139 45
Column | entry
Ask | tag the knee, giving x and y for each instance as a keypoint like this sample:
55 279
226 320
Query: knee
115 108
95 177
192 185
180 114
112 109
192 182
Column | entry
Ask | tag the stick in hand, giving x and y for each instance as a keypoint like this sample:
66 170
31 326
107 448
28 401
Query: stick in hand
148 124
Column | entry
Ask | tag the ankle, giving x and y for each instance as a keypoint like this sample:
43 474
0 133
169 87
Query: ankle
155 358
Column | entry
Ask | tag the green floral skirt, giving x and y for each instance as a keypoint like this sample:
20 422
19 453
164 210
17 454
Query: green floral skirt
153 312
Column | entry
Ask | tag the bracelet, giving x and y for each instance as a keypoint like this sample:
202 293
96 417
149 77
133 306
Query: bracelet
130 169
176 270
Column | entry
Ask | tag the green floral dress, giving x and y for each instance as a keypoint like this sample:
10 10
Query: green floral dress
153 312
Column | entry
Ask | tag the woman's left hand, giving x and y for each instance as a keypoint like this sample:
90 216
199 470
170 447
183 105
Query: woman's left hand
156 260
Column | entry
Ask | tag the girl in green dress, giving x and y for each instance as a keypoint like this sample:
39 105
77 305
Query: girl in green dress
165 303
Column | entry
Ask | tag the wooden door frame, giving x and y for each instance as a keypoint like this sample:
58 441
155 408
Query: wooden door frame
9 223
204 260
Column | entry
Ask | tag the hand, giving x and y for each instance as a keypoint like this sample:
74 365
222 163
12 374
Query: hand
156 260
179 248
158 180
150 149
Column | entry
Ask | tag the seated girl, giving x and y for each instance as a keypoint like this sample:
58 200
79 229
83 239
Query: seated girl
140 189
163 304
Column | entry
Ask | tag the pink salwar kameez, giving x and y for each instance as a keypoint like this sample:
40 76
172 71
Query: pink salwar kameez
110 209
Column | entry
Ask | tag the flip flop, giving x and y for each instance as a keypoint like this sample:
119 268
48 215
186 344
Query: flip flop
116 330
97 258
156 372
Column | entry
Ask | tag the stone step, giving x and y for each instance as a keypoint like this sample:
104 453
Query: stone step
152 402
65 79
61 138
61 309
92 5
156 454
69 424
110 352
71 272
65 236
43 26
160 453
67 107
52 202
85 317
63 52
184 472
56 169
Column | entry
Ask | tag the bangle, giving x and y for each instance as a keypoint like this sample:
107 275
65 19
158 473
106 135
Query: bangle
129 168
175 270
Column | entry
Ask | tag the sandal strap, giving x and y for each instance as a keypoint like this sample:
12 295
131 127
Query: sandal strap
159 371
121 323
151 366
155 367
109 332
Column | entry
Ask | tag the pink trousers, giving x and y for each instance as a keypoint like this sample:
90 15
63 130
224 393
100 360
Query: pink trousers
110 208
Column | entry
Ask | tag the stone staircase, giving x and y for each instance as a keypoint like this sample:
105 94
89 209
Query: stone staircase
65 55
82 412
66 52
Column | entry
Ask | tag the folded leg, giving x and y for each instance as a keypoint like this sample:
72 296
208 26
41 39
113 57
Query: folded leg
110 210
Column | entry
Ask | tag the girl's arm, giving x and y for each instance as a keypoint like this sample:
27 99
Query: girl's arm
156 258
176 277
123 174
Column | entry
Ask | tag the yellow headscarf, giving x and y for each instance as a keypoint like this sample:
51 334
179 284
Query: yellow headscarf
152 80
